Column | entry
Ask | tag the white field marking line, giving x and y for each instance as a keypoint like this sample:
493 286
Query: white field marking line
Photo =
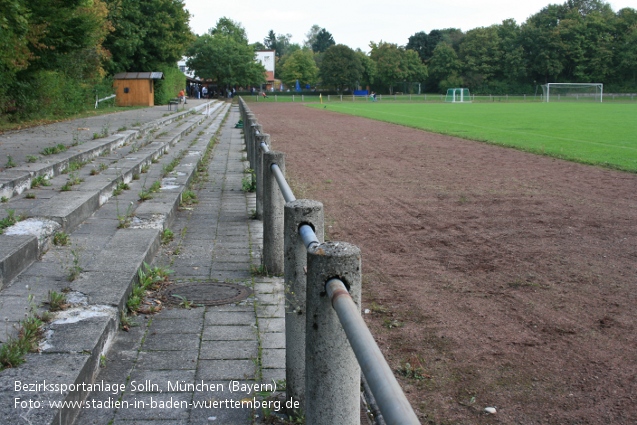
503 130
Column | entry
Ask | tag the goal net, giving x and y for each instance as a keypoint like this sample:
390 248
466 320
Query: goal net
458 95
555 92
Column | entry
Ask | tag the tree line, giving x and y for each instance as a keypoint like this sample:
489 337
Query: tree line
577 41
56 54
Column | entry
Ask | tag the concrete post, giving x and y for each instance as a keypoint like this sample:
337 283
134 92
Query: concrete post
248 135
255 129
258 170
273 204
251 130
296 213
332 374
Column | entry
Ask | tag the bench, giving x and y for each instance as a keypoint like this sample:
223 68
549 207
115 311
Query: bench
174 101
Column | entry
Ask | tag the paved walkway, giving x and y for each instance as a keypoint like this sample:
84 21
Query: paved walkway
203 359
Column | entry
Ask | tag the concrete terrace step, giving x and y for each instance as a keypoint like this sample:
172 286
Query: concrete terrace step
109 256
16 180
63 211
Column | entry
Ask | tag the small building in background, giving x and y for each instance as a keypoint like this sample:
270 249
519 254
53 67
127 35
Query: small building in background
267 58
136 88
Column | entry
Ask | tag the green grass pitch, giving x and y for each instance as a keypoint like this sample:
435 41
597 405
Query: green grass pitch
590 133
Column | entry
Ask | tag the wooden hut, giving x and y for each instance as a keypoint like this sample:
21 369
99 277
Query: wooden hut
135 88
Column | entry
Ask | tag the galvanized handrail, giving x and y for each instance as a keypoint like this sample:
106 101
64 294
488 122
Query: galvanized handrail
391 400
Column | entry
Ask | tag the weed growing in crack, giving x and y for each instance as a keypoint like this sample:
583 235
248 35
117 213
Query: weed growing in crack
61 239
40 181
167 236
56 301
14 349
248 183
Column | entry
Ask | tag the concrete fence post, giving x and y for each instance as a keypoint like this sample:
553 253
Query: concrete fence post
252 130
273 205
297 213
248 135
332 374
258 169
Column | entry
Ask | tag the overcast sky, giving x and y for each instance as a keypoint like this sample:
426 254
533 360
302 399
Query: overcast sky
356 23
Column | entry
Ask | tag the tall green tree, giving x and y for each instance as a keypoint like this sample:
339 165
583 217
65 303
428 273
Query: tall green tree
299 66
444 68
280 43
227 60
14 43
324 41
513 66
71 36
369 68
419 43
395 64
147 34
625 57
310 36
340 68
481 56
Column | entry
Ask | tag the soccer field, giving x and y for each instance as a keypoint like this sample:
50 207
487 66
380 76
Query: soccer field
591 133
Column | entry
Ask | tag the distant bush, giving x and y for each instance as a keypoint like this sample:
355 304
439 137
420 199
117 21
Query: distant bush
168 88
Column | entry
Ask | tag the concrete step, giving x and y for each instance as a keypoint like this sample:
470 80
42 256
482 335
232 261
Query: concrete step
109 257
51 211
18 179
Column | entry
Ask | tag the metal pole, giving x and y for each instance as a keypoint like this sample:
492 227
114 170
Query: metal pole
273 203
389 396
286 191
332 374
301 217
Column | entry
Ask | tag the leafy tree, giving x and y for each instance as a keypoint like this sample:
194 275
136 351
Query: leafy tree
270 41
369 68
258 46
14 43
625 58
481 55
147 34
299 66
512 67
444 67
226 59
71 36
231 29
340 67
280 43
542 43
310 36
395 64
324 41
419 43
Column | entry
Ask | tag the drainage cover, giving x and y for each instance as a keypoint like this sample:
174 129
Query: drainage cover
207 293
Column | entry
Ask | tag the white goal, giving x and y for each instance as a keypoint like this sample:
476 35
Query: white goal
458 95
555 92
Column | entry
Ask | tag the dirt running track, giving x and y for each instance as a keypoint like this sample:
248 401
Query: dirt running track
503 278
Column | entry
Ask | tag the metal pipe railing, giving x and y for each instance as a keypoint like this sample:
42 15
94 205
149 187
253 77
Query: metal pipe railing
391 401
308 236
390 398
286 191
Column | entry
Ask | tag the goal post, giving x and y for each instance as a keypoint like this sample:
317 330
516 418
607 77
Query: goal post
458 95
554 92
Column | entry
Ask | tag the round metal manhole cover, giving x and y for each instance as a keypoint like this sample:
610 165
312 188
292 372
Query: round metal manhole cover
207 293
